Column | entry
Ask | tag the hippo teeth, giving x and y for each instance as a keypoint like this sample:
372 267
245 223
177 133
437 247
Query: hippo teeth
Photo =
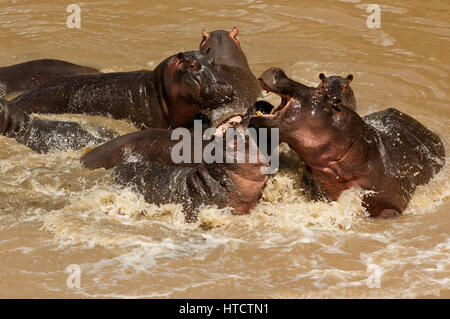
267 93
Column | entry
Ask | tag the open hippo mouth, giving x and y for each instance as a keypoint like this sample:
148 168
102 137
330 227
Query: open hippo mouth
219 116
230 122
286 100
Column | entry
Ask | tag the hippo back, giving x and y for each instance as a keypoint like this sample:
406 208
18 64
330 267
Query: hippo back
28 75
411 153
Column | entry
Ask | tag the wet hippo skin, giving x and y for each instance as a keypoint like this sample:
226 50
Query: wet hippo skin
387 153
235 185
44 136
28 75
232 65
170 96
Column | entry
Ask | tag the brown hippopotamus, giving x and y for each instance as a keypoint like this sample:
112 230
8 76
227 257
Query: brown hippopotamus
143 161
169 96
333 87
28 75
387 153
232 65
45 136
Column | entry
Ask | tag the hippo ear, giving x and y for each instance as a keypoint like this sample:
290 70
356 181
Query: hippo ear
349 78
181 57
234 32
323 84
322 77
205 35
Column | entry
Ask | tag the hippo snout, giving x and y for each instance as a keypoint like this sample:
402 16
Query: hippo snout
273 76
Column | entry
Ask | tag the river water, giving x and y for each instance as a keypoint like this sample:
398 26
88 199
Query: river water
54 213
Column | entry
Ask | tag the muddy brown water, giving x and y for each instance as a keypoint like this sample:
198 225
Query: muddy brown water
54 213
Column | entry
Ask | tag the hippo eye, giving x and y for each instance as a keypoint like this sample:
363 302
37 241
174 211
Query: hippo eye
194 66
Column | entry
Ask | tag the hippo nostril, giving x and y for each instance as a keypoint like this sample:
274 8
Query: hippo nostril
337 100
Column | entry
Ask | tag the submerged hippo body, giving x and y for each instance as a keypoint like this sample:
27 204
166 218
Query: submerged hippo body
233 67
387 153
28 75
44 136
169 96
143 162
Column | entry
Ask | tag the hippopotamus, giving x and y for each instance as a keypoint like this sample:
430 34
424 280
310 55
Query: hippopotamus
232 65
28 75
143 161
387 153
333 87
44 136
167 97
337 87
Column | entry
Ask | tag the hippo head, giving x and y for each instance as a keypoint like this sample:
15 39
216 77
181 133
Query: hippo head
224 47
191 84
241 173
315 126
338 87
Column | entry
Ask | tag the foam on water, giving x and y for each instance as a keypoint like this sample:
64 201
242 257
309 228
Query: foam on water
148 237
